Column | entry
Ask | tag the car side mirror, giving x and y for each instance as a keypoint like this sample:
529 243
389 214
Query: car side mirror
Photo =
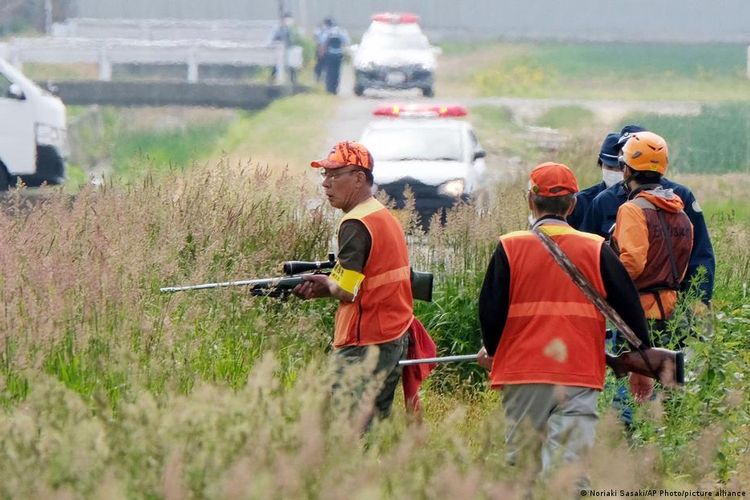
15 92
480 153
437 51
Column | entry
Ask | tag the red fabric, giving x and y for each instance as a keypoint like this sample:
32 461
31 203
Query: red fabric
421 345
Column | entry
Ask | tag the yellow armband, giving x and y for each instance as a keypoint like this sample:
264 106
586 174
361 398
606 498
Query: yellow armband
347 280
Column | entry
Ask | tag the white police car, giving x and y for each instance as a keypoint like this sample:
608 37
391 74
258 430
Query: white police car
394 54
430 150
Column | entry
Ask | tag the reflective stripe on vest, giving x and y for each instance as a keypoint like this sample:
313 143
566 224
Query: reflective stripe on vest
382 310
400 274
553 334
553 308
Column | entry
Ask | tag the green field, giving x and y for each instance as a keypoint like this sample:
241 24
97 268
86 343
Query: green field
619 71
717 141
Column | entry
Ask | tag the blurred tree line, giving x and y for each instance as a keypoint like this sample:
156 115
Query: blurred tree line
32 15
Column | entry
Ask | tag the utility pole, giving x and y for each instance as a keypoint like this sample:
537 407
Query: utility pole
281 65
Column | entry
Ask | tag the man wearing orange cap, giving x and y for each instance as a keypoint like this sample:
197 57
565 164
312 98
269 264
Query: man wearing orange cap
371 279
543 339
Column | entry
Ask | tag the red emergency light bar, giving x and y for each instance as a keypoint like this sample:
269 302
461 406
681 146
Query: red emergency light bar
396 111
396 18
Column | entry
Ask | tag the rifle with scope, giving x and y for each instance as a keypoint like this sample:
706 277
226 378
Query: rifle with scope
294 271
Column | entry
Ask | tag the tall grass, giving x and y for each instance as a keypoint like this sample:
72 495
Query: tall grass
110 388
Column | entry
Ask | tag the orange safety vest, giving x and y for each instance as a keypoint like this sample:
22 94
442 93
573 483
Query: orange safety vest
383 309
553 334
670 241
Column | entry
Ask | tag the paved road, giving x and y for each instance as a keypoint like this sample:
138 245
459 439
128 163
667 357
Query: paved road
354 112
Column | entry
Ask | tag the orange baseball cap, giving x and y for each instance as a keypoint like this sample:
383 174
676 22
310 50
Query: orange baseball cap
553 179
344 154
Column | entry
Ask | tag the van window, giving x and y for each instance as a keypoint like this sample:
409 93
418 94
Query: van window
4 85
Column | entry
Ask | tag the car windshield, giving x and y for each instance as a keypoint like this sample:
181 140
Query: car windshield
429 143
411 41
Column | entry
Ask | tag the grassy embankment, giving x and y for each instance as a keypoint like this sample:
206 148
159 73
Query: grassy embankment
110 389
129 144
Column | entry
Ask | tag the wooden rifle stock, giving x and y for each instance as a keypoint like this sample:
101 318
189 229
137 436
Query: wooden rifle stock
668 367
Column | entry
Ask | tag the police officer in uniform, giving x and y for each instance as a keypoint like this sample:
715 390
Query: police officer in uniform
335 40
611 175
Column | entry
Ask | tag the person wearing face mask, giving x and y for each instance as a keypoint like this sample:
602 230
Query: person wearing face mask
601 214
611 175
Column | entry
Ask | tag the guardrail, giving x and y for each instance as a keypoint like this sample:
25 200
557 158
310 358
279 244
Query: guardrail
166 29
106 52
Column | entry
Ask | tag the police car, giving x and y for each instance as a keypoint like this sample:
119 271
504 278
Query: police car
428 148
394 54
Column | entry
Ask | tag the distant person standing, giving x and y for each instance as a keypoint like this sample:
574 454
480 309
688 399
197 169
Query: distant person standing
286 34
320 36
611 175
602 213
334 42
652 235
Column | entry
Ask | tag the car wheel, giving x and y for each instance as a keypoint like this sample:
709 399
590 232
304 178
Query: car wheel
428 92
359 90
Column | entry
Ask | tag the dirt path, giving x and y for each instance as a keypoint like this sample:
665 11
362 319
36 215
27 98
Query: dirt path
527 111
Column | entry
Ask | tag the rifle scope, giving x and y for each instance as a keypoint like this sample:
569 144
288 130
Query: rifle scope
302 266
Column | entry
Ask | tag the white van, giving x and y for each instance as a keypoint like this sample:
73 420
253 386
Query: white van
33 137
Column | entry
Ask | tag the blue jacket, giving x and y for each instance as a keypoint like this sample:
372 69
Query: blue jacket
602 213
583 201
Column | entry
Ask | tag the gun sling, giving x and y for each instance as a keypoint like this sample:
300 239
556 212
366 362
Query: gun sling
608 311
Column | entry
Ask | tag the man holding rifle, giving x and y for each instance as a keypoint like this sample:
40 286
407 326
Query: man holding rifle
371 279
543 338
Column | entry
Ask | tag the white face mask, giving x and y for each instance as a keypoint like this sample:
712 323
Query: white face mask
611 177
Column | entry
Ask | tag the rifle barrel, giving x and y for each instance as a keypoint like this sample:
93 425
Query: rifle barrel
443 359
263 283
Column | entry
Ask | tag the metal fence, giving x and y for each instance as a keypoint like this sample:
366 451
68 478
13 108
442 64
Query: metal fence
571 20
255 31
105 53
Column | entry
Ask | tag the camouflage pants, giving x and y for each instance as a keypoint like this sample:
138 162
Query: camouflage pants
366 377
